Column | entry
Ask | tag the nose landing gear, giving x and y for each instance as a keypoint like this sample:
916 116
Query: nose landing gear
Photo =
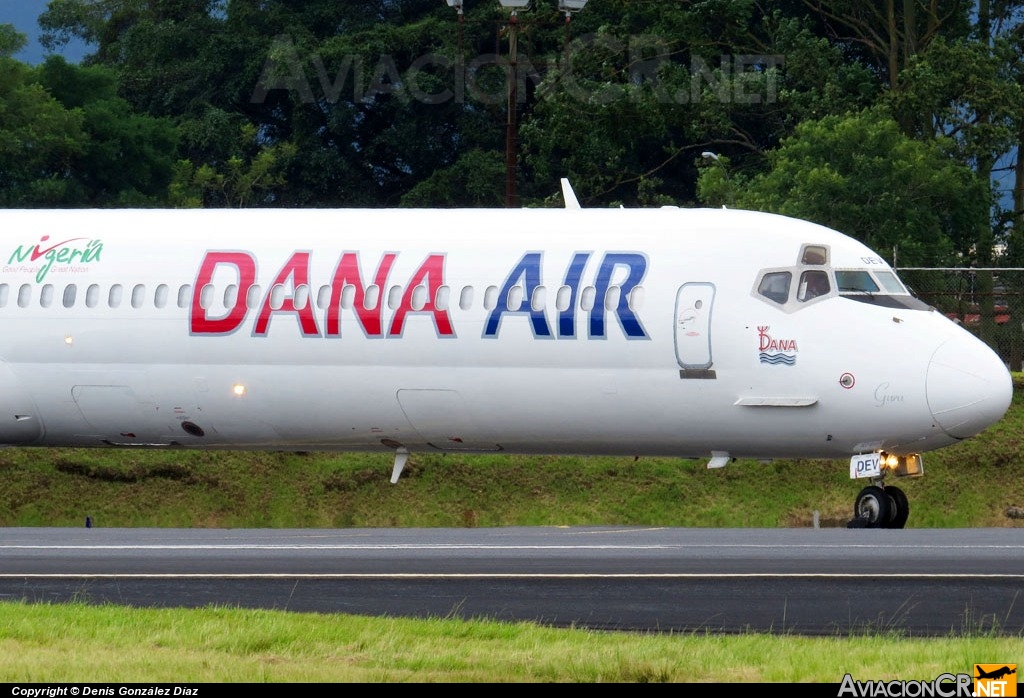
878 506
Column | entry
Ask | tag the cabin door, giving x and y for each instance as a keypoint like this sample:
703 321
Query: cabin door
694 302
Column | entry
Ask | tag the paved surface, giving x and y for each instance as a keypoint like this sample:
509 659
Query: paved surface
798 581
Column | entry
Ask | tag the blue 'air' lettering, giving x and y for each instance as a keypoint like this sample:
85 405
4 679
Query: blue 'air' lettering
528 272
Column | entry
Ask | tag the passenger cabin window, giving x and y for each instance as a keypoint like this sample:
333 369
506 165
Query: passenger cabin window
539 299
442 298
587 298
419 298
206 296
515 298
371 297
394 297
563 297
490 297
611 298
277 296
636 298
775 286
348 296
230 295
252 297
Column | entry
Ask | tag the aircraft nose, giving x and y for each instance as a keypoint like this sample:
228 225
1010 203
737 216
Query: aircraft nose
968 387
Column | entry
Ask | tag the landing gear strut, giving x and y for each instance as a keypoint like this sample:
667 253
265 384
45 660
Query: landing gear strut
878 506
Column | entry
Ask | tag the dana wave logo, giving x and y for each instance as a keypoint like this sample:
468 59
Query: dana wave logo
775 351
69 255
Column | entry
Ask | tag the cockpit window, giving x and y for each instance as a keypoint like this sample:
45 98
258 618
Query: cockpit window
814 276
775 286
814 255
890 282
812 285
856 282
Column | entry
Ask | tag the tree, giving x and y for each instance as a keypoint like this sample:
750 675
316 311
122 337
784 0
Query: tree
253 174
861 175
11 40
126 158
39 141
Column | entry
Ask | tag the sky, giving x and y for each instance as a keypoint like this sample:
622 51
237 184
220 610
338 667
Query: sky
23 14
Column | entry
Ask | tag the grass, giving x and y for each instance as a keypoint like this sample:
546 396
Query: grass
977 483
83 644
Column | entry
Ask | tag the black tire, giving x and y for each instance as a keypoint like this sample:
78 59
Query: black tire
873 507
900 507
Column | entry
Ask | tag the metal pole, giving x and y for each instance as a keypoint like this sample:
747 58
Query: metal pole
510 125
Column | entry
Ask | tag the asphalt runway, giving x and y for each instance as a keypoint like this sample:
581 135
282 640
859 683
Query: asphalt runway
796 581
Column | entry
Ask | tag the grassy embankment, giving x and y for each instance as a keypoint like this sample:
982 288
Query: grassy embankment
972 484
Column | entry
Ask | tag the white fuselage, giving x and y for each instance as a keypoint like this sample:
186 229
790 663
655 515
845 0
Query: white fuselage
639 332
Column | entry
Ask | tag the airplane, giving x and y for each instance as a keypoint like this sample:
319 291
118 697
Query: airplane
694 333
996 673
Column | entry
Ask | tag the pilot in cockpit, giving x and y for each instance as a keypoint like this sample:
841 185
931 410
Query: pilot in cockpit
813 284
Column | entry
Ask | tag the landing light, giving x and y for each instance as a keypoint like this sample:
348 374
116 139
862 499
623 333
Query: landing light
909 465
69 340
238 389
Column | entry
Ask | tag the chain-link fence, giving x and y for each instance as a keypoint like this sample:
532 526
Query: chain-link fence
988 302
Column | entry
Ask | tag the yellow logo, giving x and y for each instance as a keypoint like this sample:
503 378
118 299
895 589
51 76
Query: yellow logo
995 680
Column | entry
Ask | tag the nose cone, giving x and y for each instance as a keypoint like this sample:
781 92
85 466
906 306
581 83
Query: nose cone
968 388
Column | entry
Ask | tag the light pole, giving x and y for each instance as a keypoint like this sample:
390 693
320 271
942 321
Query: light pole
513 96
514 6
708 155
568 7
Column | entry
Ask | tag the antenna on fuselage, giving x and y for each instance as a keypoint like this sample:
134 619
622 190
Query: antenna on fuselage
569 195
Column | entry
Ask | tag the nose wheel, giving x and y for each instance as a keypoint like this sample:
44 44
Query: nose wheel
878 506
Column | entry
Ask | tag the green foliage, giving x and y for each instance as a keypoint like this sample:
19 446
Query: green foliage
468 183
251 175
11 40
860 174
39 140
69 140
